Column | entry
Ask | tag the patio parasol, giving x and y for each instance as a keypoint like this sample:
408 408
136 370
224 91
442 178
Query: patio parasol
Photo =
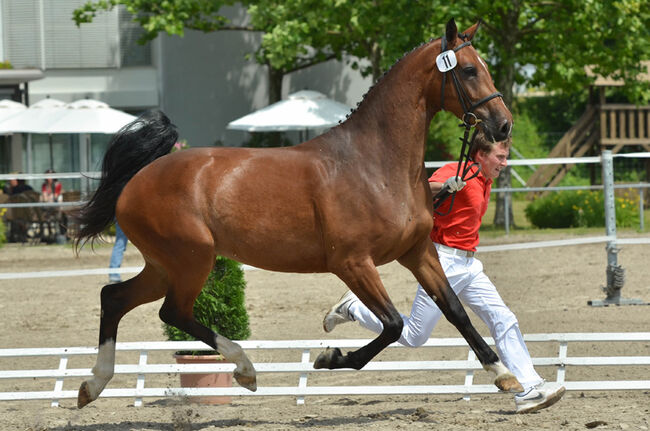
302 110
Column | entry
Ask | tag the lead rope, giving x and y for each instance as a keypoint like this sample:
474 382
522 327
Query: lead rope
465 152
469 120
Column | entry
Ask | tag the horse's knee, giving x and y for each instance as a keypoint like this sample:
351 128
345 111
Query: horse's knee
393 327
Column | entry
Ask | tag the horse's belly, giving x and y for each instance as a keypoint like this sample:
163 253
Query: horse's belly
275 238
286 253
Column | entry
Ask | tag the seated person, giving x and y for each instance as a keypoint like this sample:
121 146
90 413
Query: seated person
17 186
51 189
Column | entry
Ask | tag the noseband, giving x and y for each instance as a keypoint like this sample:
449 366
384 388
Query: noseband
447 64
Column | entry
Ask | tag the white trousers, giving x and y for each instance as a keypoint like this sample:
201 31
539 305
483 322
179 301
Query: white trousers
476 291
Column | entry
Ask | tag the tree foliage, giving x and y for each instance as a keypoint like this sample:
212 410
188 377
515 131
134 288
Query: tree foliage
560 38
557 38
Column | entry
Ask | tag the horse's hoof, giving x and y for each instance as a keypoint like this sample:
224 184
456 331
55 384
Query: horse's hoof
84 395
508 383
327 359
248 382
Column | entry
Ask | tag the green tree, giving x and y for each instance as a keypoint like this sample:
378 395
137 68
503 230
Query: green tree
377 31
559 39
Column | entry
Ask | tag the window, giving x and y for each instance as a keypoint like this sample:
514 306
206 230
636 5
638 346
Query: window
42 34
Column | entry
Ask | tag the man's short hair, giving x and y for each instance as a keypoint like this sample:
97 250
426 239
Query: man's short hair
481 143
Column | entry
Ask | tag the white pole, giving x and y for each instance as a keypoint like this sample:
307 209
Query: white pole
615 272
641 210
610 206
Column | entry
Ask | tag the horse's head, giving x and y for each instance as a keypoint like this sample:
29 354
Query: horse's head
467 89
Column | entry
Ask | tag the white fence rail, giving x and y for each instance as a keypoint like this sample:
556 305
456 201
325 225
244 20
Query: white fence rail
303 369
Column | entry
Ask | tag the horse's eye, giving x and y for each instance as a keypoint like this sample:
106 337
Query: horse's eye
469 71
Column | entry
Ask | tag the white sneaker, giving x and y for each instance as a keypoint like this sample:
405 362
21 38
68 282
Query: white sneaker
539 397
339 313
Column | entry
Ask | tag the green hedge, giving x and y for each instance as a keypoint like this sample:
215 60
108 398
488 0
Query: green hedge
579 209
3 237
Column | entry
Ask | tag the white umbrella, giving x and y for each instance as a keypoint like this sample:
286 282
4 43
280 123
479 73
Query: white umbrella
301 110
34 119
50 116
9 108
54 116
89 116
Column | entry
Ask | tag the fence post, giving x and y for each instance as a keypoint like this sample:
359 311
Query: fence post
140 379
302 381
469 374
58 386
506 204
615 272
641 210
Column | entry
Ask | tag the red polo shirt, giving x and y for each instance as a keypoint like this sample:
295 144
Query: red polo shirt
459 228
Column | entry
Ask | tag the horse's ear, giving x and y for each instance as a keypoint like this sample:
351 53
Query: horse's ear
470 32
452 31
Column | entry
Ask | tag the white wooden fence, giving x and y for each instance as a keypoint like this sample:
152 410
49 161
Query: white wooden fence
303 369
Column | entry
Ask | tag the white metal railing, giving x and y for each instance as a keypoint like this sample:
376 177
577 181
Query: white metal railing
563 362
481 249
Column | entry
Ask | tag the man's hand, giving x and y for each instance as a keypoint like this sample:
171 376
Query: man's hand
454 184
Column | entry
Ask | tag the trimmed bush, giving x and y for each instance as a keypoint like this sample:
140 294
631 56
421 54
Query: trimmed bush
579 209
220 305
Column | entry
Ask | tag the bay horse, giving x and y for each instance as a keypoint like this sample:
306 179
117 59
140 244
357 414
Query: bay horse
344 202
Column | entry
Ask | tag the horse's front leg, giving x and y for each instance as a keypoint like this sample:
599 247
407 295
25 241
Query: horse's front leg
362 278
424 264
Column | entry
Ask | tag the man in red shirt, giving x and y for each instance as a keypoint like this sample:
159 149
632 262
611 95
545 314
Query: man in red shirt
455 235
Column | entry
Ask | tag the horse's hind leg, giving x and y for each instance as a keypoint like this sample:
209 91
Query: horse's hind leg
363 280
177 310
424 264
117 300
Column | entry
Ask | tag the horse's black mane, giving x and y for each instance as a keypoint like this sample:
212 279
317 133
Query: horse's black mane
363 98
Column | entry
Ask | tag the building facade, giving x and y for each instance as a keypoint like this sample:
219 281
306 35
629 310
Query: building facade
202 81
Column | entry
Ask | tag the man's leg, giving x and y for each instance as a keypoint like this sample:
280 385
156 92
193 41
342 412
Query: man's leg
482 297
484 300
117 254
417 327
424 316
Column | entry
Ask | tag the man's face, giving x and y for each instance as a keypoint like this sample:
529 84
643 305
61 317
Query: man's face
493 162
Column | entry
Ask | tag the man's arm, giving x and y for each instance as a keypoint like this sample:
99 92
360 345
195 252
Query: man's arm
435 187
452 185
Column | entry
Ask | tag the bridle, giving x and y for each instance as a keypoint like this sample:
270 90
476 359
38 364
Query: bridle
470 120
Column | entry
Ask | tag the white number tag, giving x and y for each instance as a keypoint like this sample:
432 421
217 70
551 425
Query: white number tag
446 60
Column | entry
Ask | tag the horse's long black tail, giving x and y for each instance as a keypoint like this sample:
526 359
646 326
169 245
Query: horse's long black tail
137 144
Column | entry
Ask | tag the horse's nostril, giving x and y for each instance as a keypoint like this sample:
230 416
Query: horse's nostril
505 127
504 130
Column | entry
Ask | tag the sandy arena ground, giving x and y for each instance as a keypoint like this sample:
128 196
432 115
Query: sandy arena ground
548 290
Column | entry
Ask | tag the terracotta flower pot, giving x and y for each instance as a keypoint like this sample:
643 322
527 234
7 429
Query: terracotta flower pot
205 380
